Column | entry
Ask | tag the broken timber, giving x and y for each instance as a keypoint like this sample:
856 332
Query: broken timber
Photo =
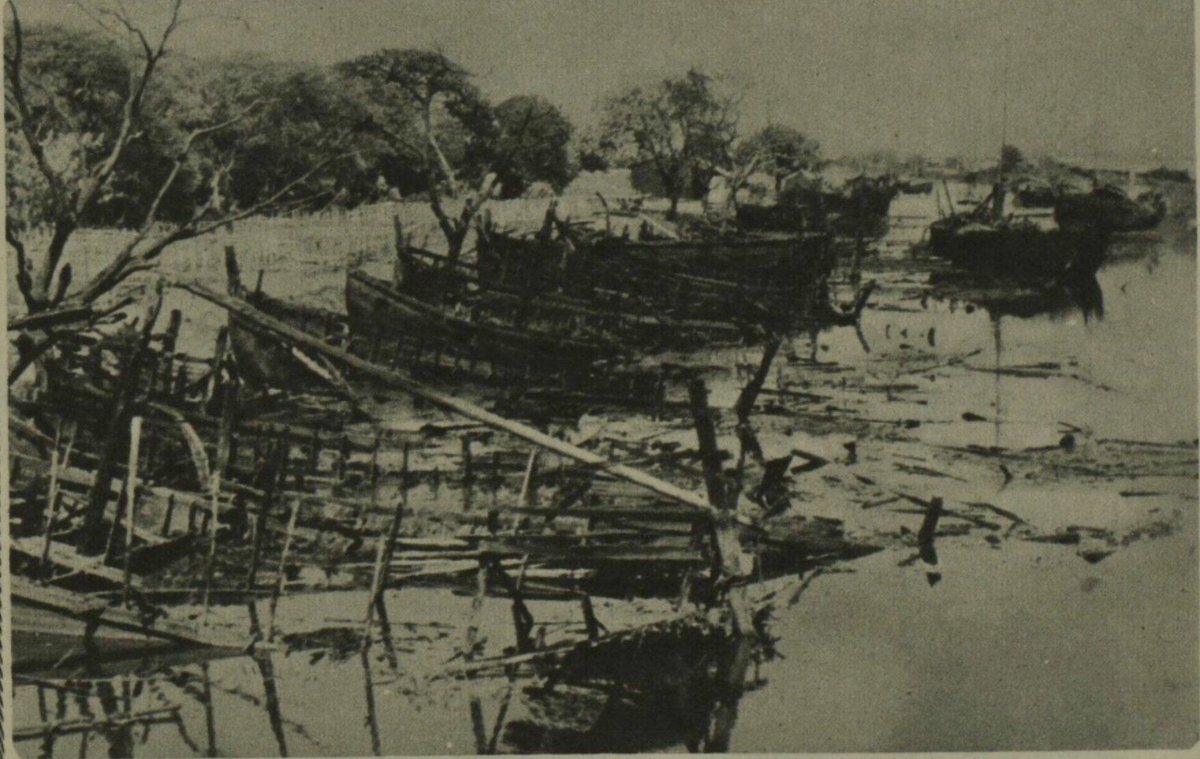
451 403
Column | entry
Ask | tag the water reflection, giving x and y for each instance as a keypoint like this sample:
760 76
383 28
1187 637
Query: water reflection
671 688
1081 295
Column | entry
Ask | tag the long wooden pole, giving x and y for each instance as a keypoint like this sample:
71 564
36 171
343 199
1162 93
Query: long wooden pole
452 403
56 466
135 440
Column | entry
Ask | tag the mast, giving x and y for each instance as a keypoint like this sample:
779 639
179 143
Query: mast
999 190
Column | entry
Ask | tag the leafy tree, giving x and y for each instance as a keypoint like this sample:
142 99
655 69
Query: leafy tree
683 126
97 131
532 145
780 151
431 113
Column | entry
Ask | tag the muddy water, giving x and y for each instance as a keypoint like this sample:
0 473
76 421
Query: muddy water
1016 644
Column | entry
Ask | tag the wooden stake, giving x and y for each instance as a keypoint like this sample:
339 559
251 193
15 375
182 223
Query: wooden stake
135 439
528 495
281 575
224 441
52 495
383 554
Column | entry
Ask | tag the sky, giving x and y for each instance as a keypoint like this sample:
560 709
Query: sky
1070 78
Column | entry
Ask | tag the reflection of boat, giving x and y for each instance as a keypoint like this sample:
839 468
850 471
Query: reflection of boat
676 687
1111 209
999 298
983 240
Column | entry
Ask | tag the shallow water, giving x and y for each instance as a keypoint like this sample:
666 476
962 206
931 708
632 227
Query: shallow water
1017 644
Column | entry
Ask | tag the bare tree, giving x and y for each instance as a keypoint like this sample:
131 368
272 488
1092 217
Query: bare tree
45 278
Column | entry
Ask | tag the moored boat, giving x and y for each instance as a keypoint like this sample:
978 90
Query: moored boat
1109 209
984 241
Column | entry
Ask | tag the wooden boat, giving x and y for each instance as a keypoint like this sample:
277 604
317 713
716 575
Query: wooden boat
983 241
618 316
858 209
384 318
773 279
769 279
53 628
1109 209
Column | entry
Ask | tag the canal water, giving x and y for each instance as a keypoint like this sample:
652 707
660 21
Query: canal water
1016 645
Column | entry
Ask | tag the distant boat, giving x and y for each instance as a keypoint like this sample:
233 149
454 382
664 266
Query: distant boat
984 241
1110 209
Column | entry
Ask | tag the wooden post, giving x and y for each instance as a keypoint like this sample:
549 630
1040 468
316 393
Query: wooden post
383 554
135 439
372 720
92 536
281 575
166 367
268 479
495 479
218 365
528 495
933 513
224 441
466 472
481 585
727 552
210 723
165 530
52 495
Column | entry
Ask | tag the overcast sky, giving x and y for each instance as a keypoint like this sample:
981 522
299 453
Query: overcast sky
1103 78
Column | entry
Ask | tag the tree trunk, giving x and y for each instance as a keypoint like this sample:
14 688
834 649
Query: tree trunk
673 211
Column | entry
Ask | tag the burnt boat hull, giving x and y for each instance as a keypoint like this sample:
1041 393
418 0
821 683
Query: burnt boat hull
617 316
379 313
776 280
1022 253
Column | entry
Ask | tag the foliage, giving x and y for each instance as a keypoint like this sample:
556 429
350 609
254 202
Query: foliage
780 151
683 127
532 145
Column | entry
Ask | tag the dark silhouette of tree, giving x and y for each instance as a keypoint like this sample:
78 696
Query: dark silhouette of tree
534 135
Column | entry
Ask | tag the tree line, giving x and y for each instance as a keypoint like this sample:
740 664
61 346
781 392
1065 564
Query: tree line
105 128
